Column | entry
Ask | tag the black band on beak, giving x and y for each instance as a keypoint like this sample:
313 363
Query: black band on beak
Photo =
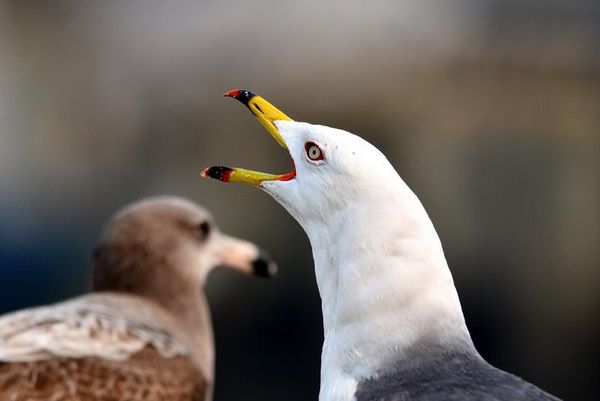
240 95
220 173
264 266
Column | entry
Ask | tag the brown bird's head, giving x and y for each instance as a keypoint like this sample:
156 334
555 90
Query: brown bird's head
163 246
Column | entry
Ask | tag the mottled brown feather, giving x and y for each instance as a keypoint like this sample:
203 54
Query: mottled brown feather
145 376
144 333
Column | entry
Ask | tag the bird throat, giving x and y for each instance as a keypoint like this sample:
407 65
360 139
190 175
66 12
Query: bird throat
381 300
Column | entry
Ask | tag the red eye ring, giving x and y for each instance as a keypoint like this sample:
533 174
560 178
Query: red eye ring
313 151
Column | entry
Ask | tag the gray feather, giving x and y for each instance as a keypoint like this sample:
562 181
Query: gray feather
448 376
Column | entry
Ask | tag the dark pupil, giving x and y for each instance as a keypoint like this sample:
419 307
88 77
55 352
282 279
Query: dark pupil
314 152
203 229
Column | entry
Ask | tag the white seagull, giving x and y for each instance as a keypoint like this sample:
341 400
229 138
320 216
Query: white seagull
394 327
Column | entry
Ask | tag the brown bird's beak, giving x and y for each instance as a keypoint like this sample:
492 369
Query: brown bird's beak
244 256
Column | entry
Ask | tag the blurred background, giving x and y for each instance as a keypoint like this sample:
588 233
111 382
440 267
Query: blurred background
489 109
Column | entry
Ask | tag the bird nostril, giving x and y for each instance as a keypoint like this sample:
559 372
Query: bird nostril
264 266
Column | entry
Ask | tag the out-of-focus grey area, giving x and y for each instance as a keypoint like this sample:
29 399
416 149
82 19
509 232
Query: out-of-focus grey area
489 109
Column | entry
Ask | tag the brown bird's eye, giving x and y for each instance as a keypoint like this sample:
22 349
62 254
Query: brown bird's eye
313 151
203 230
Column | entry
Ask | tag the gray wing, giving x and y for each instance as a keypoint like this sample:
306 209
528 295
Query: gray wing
108 326
450 378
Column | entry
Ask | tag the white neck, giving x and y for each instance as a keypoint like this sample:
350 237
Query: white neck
385 288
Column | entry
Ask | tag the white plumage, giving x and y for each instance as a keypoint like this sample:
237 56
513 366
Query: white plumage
394 327
380 267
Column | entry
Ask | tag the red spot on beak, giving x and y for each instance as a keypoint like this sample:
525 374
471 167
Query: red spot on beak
232 93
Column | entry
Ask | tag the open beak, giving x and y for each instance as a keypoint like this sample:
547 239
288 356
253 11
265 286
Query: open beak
267 114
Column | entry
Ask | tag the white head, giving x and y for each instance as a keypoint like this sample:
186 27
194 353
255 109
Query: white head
385 286
333 170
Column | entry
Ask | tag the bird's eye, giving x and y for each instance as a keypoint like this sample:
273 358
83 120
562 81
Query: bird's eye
313 151
203 230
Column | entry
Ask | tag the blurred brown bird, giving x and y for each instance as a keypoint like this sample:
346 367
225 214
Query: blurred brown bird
144 332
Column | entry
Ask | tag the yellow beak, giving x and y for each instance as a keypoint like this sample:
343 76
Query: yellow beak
264 111
267 114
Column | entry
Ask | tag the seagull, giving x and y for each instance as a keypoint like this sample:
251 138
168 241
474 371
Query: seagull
393 324
144 332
